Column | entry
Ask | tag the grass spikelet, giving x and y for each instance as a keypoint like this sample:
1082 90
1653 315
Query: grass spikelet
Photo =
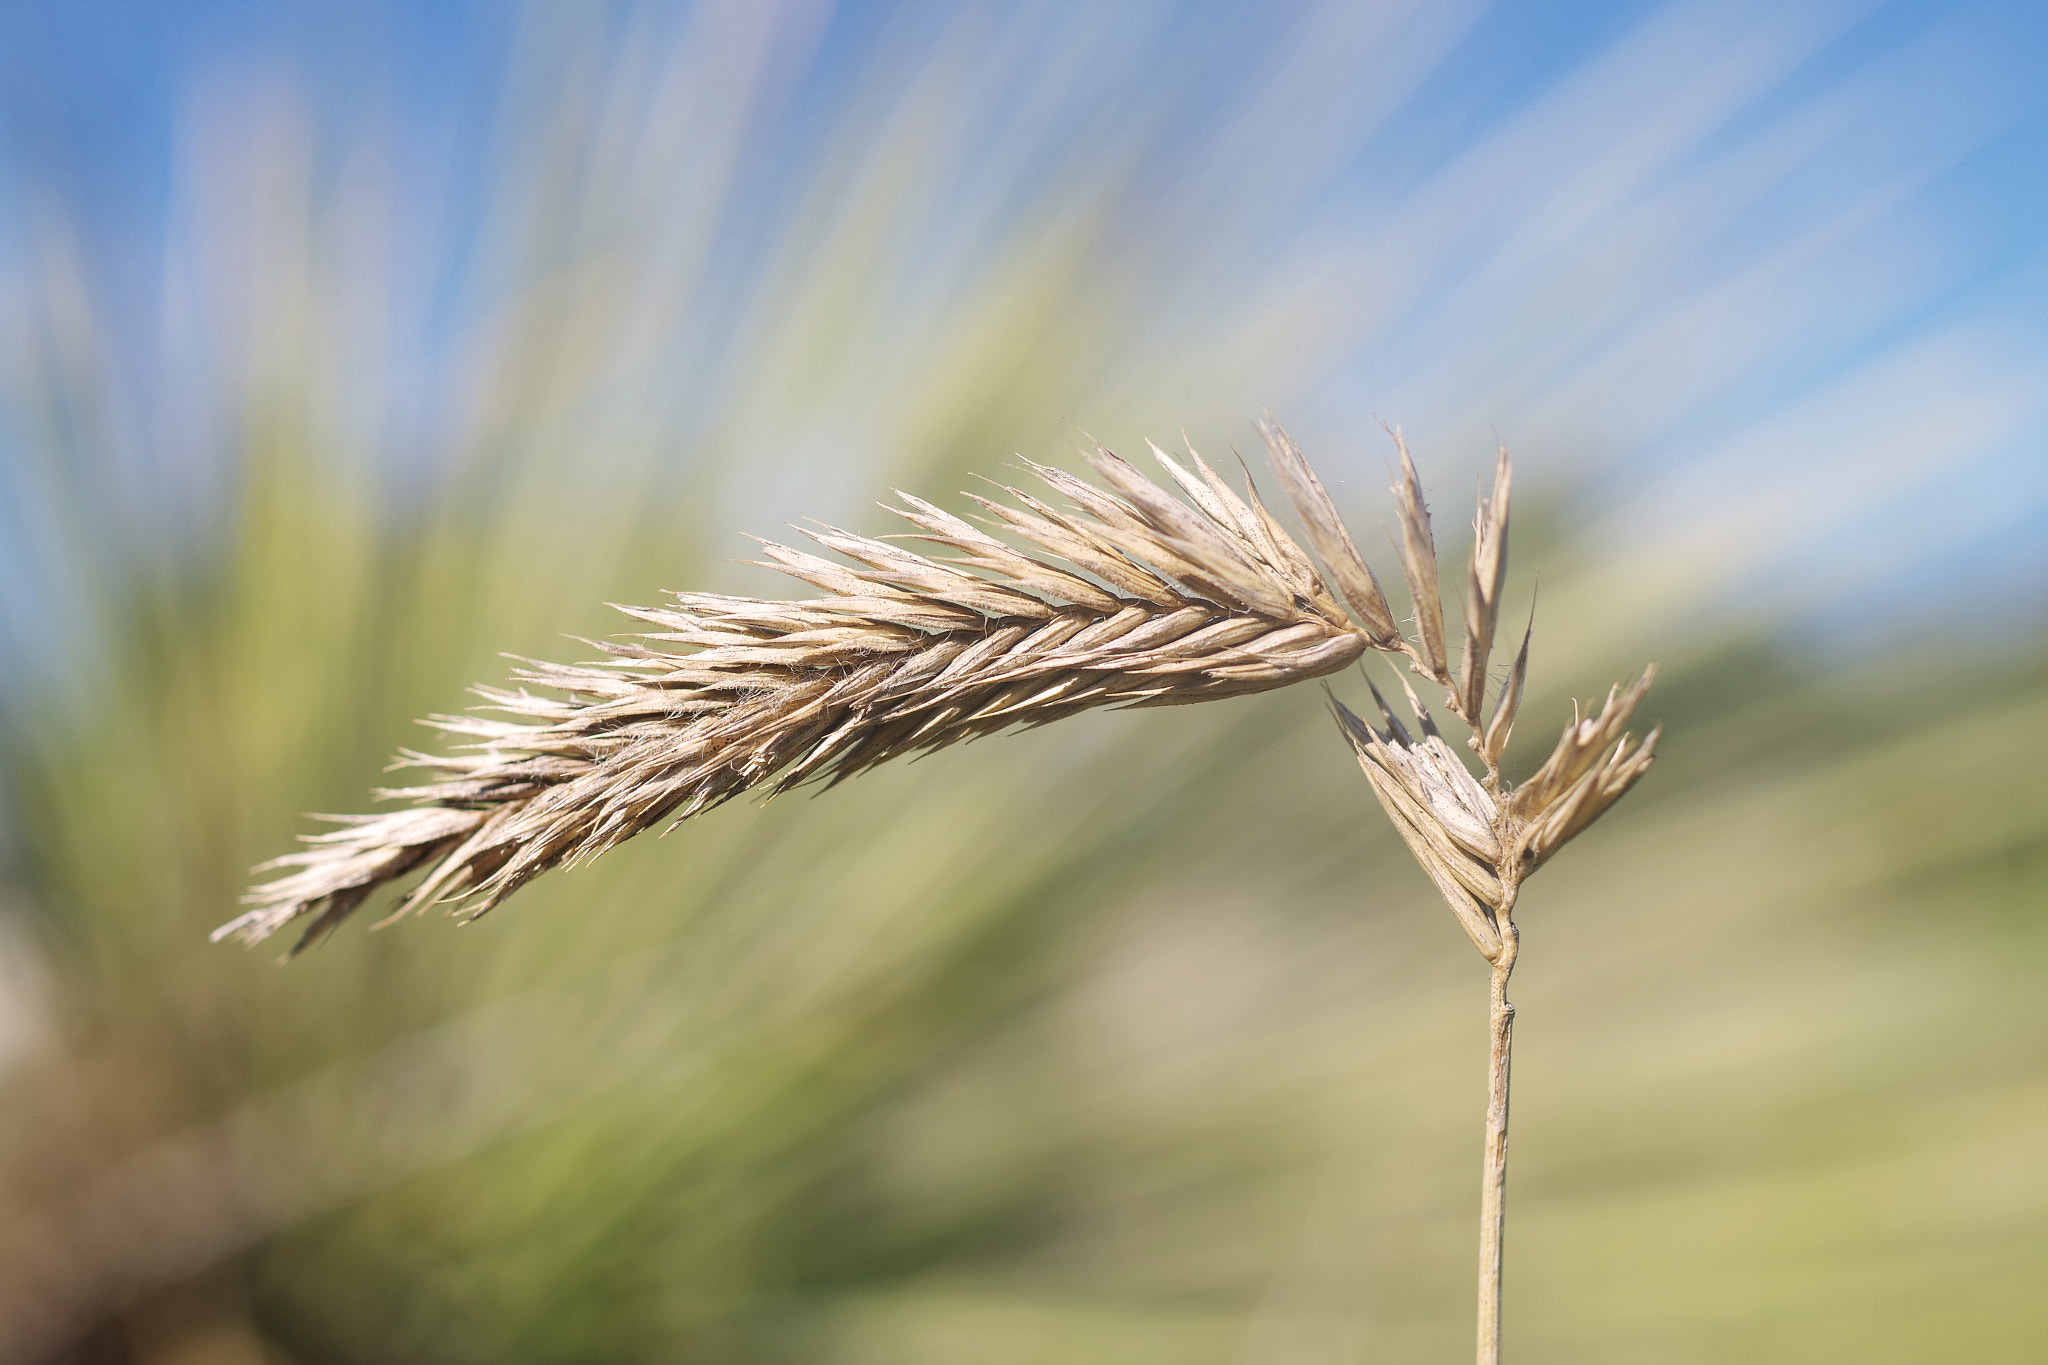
1327 532
1418 566
1488 571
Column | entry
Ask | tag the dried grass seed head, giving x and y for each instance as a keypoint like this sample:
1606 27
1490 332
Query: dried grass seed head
1128 596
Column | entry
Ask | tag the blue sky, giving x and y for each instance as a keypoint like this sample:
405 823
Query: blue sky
1730 265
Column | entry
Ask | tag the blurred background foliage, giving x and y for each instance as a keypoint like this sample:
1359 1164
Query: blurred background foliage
347 348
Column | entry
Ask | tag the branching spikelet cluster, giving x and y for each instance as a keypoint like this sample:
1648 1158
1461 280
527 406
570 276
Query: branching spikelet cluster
1125 596
1479 838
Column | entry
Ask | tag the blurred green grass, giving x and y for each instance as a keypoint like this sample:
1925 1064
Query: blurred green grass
1135 1039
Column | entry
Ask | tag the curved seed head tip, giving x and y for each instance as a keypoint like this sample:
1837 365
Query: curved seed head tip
1132 597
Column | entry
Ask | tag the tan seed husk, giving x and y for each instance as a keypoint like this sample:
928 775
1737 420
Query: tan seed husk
1483 580
1418 566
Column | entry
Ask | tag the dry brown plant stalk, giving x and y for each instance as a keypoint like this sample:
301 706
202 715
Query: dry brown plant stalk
1127 596
1479 839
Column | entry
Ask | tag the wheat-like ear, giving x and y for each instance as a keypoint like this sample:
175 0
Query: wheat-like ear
1127 596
